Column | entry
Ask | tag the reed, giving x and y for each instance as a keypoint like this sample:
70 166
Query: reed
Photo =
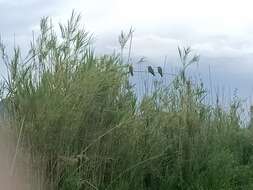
78 115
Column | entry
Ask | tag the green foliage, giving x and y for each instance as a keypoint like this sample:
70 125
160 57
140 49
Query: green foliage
84 127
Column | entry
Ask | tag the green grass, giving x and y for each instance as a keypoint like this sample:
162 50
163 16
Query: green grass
79 119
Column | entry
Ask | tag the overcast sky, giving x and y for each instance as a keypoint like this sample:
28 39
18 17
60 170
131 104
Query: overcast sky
221 31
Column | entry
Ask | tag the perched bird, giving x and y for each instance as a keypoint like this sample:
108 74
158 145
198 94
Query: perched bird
151 70
160 71
131 70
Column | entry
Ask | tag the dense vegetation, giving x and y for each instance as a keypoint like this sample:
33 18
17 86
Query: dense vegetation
79 118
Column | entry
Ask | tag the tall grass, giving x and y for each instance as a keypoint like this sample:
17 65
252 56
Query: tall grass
78 116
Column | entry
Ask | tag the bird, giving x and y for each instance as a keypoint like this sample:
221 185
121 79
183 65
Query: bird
160 71
150 70
131 70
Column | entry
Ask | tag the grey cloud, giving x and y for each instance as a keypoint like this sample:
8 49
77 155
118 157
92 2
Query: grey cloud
20 16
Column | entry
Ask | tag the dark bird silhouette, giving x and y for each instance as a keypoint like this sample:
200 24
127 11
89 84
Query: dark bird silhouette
160 71
131 70
151 70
